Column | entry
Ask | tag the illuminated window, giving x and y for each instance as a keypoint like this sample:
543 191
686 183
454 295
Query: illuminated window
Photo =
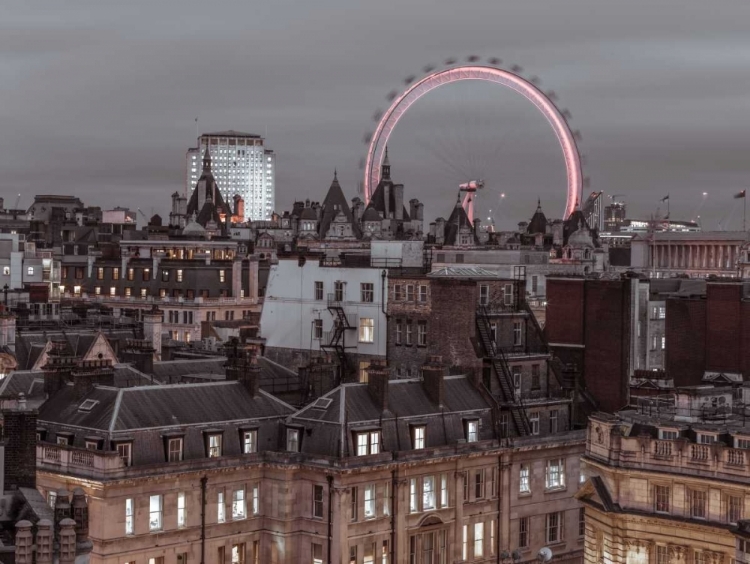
238 504
30 271
369 501
366 330
478 540
368 443
179 275
418 435
428 493
221 508
129 513
250 442
443 490
155 513
292 440
413 507
555 473
181 510
214 445
472 431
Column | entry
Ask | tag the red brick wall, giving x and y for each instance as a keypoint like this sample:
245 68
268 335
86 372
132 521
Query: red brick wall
745 349
607 334
723 327
453 322
564 315
686 340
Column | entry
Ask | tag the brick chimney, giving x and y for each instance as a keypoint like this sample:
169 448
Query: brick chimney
67 541
19 435
242 365
90 373
140 353
377 383
433 379
152 329
59 366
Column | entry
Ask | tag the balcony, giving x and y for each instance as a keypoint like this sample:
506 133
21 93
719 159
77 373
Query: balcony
678 456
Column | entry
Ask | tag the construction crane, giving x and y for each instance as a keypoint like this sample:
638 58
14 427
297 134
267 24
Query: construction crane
140 211
18 200
614 197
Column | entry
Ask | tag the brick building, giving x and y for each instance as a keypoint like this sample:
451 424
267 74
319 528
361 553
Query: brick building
589 324
709 334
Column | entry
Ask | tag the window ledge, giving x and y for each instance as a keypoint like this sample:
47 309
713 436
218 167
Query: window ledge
524 494
555 489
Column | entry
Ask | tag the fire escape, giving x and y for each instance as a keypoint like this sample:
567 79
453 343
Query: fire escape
335 339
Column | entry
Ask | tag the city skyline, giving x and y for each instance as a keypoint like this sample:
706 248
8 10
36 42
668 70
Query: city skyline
668 121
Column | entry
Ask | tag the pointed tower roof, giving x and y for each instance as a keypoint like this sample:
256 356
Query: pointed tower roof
206 160
335 202
538 223
385 169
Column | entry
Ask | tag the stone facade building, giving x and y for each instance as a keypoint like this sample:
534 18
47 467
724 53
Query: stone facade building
378 472
667 480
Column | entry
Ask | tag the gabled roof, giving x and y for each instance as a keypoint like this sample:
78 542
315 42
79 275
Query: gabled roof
456 221
334 203
538 223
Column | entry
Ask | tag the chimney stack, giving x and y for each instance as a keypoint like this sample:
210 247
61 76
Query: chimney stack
19 434
90 373
377 383
59 367
139 352
242 365
433 379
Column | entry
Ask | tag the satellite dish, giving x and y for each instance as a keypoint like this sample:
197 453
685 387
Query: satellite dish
544 555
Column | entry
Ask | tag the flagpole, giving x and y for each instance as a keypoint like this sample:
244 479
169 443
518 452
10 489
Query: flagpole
744 209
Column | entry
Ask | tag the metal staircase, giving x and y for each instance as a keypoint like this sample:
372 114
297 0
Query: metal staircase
504 376
335 341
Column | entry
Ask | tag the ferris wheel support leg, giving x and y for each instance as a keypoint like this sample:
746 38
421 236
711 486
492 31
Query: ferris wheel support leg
468 205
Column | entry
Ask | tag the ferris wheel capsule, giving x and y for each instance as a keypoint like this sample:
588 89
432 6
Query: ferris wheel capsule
377 115
516 69
392 95
551 94
409 79
472 58
535 80
428 69
566 114
577 135
495 61
361 163
368 136
450 62
586 182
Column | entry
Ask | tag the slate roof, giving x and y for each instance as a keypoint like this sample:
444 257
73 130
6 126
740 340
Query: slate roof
29 346
377 201
351 407
146 407
273 376
29 383
538 223
334 203
456 221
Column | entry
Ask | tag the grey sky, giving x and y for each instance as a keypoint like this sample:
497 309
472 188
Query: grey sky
98 98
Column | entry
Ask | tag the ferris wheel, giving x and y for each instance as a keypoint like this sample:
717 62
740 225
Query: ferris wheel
490 72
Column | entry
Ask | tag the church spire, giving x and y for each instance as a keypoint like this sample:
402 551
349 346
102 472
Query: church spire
385 169
206 161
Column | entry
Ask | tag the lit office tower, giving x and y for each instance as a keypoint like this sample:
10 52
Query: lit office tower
241 165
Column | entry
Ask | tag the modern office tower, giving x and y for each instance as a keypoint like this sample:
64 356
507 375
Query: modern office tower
241 164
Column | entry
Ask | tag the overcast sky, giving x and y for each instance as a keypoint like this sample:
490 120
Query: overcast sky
98 99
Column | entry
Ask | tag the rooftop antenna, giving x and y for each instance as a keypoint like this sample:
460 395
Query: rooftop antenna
197 135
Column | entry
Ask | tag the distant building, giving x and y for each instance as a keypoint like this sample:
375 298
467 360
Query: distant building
593 210
614 216
242 165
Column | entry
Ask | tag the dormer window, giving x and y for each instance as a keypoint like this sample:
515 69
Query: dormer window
472 430
368 443
292 440
250 441
125 450
706 438
418 437
214 445
668 434
174 449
